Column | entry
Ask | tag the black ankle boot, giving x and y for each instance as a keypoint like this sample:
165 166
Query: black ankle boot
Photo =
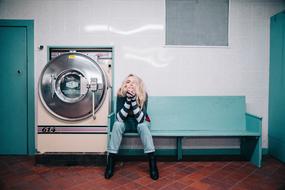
110 166
153 171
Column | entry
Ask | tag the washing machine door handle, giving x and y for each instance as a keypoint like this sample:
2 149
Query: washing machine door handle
94 88
93 84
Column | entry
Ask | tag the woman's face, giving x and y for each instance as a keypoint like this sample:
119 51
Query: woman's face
131 84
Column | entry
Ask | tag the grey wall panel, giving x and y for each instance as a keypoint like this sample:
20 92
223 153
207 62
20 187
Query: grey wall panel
197 22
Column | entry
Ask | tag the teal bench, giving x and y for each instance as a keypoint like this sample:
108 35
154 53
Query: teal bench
204 116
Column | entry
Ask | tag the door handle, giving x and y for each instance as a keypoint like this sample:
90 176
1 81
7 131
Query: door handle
19 71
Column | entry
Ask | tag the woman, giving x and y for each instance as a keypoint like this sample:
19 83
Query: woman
131 112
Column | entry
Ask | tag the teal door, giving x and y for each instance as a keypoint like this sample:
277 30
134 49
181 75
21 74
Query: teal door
13 78
276 124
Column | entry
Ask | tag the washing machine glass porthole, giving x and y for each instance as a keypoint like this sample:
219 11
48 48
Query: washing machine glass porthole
71 86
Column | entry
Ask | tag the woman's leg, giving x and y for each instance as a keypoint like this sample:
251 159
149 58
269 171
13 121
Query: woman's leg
146 138
116 137
113 147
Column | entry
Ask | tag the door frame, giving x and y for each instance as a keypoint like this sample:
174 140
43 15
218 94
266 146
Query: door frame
29 25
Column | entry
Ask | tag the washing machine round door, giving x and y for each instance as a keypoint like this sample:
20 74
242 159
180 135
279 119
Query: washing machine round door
67 85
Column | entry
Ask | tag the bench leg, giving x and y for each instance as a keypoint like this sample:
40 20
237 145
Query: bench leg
179 148
251 149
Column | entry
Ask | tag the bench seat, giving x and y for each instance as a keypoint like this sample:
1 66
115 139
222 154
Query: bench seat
185 133
205 116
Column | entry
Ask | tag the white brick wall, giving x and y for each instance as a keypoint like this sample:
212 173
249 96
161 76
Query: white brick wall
136 30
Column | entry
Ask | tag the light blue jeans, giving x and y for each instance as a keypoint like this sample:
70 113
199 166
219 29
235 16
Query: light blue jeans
117 134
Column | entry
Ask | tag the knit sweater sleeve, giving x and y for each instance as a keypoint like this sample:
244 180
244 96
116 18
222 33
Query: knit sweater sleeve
123 107
138 112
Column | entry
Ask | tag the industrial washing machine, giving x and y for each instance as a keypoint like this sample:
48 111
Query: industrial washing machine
74 101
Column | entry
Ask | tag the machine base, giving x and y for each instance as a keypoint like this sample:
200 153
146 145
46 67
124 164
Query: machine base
71 143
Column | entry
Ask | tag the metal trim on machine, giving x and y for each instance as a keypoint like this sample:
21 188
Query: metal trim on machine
74 71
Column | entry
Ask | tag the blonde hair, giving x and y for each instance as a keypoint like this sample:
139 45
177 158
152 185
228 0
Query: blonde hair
140 90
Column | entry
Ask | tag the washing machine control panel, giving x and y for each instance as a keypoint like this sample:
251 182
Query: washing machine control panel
100 55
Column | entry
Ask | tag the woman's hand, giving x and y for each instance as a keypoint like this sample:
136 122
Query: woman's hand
131 93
